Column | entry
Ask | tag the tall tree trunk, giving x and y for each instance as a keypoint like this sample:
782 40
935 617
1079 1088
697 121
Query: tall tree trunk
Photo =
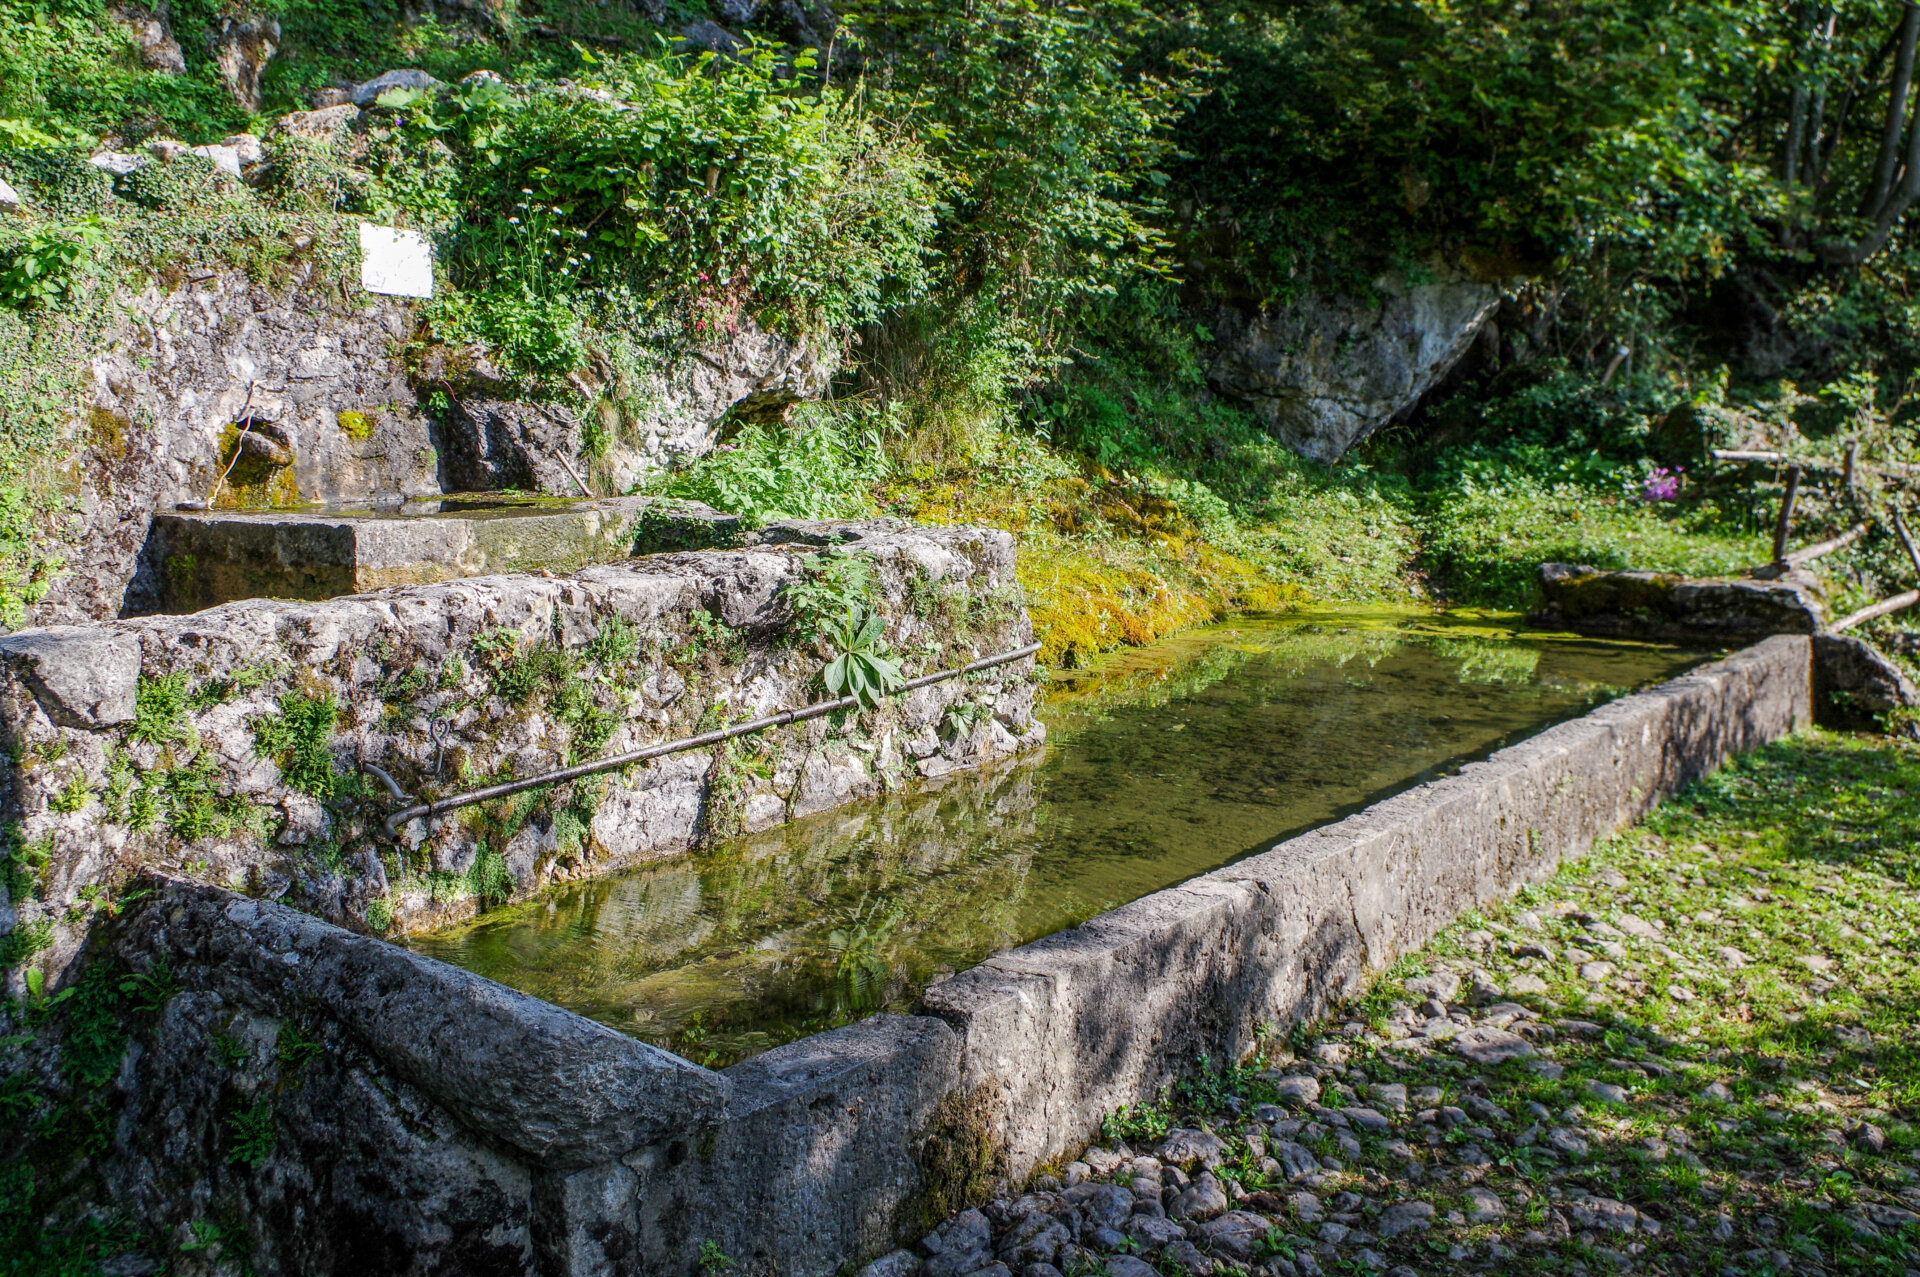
1889 159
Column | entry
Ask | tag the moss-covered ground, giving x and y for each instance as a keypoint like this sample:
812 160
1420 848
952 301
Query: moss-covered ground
1722 1002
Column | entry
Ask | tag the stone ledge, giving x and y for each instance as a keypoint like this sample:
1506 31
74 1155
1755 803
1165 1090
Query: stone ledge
1077 1024
203 559
557 1088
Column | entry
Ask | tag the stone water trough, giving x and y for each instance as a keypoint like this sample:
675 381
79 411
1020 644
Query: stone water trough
439 1123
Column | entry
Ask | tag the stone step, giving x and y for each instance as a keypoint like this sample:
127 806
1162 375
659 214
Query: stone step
203 558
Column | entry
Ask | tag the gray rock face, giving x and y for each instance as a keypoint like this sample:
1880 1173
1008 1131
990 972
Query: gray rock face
168 389
1484 1205
1853 682
1201 1200
244 47
1191 1149
83 677
961 1246
365 94
152 34
1491 1046
1404 1217
1298 1089
202 559
1368 1120
899 1263
1105 1204
1235 1234
1603 1214
1326 371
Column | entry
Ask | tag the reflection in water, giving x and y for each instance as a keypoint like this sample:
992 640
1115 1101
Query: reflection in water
1161 765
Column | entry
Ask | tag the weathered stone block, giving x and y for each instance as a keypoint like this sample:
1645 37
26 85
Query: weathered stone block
1664 605
204 559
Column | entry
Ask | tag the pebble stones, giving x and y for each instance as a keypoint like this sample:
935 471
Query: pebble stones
1404 1217
1297 1090
1491 1046
1190 1148
1484 1205
1201 1200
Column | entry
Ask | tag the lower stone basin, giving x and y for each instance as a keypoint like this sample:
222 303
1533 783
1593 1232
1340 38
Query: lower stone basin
203 558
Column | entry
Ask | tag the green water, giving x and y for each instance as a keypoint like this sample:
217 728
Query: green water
1160 765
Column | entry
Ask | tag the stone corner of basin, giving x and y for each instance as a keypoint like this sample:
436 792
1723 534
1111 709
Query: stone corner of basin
559 1089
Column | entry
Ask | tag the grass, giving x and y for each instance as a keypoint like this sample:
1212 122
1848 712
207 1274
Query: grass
1744 1070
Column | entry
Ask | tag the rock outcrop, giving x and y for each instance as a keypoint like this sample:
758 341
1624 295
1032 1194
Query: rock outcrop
1855 685
1324 371
313 377
247 42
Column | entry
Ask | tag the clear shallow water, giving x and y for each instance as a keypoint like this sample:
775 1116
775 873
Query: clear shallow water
1161 764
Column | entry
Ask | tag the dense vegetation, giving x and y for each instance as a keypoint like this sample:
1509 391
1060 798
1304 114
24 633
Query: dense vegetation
1015 220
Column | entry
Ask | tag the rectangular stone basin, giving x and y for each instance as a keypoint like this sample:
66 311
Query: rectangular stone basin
204 558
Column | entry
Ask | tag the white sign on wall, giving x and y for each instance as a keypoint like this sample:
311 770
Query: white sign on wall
396 262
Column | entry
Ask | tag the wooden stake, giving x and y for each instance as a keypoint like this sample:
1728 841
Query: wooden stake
1906 540
1822 548
1786 515
1878 610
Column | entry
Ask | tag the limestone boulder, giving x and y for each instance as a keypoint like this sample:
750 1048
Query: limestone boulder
1324 371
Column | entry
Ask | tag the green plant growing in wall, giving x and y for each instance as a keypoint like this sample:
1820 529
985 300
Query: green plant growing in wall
42 269
830 587
195 808
26 863
614 642
25 940
254 1135
295 1049
160 709
713 1260
863 669
74 797
380 913
299 742
488 877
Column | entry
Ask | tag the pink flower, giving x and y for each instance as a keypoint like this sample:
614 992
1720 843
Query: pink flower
1662 485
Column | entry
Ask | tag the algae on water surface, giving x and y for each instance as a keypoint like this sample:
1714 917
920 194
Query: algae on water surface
1163 763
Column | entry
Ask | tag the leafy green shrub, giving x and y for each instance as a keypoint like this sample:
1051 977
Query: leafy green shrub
822 466
832 586
863 669
42 269
712 180
59 181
